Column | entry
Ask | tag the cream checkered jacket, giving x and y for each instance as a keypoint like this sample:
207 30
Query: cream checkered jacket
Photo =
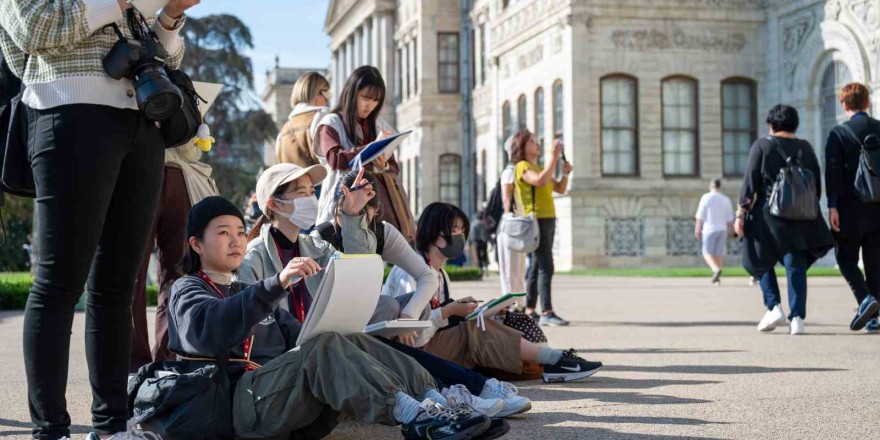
67 41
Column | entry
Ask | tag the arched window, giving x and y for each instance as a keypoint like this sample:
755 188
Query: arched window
506 130
539 121
739 127
620 126
680 147
836 76
557 108
450 179
520 113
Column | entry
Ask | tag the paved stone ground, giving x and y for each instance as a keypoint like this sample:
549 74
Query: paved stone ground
683 360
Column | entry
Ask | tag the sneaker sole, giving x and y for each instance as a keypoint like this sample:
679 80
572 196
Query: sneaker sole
552 324
862 320
493 433
524 409
568 377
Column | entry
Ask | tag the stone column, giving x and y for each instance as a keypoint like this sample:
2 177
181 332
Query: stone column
375 47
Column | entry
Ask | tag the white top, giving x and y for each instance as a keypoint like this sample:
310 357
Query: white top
507 176
399 282
716 212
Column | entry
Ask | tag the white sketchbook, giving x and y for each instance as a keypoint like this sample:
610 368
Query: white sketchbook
390 329
346 297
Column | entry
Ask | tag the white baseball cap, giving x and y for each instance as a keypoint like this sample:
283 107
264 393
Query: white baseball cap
282 174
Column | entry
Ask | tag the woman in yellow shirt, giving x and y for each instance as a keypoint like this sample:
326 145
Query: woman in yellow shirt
534 193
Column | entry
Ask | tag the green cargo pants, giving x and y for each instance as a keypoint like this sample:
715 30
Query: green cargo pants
299 393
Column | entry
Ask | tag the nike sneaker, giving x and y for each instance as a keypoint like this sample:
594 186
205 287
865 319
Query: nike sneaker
570 367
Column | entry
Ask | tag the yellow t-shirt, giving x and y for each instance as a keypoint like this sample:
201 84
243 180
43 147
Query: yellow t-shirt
543 205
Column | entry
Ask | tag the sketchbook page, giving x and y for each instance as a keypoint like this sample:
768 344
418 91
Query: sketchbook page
493 307
345 302
375 148
390 329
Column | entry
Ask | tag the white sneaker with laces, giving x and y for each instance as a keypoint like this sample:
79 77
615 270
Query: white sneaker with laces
513 402
459 395
772 319
797 326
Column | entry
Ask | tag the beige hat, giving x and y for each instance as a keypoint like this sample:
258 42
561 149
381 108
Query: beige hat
282 174
508 145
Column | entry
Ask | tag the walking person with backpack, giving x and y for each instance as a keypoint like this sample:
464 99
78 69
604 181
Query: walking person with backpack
511 265
776 227
852 183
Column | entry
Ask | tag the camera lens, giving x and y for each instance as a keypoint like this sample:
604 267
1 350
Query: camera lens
157 97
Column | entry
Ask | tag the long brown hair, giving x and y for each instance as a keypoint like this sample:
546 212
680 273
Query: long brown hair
518 147
364 77
267 215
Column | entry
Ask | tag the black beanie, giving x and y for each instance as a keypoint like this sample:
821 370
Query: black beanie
206 210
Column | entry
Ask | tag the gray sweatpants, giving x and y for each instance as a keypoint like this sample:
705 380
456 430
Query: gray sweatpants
304 390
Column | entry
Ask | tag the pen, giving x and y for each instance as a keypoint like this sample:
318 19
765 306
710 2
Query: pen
461 301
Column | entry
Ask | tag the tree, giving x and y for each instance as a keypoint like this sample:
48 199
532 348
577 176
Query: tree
215 47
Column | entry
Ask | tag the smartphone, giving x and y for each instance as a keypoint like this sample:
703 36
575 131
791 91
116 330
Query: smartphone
560 164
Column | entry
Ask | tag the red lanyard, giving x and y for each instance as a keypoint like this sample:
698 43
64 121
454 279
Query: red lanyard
296 296
436 299
247 342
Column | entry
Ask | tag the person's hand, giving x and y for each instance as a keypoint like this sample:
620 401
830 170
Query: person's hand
302 267
458 308
124 5
380 163
834 218
176 8
740 227
567 168
355 201
698 234
408 338
384 134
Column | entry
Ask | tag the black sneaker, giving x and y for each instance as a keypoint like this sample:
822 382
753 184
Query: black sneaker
436 421
534 315
716 277
570 367
498 428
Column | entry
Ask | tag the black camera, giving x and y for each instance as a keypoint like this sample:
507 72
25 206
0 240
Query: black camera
144 62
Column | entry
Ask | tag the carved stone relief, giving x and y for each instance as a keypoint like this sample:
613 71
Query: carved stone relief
654 39
795 32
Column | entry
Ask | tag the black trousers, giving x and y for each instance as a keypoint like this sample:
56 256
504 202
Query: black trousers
541 269
847 252
98 171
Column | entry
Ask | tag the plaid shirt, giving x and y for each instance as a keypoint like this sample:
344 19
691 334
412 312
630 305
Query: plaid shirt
67 42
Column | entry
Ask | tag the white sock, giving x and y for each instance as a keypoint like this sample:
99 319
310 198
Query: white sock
548 356
406 409
436 397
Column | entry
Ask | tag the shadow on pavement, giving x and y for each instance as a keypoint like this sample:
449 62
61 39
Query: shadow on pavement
715 369
570 432
571 393
654 350
605 382
562 417
28 426
675 324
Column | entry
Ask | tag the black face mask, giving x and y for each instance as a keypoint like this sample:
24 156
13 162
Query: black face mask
454 246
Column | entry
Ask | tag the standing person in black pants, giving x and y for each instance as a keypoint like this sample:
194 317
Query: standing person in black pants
856 225
535 186
97 163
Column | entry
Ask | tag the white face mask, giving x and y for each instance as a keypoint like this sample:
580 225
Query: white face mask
305 211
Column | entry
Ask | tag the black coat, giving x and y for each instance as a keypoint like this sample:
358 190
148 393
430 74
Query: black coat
842 153
769 238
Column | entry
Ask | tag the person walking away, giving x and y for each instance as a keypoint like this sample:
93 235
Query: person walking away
535 186
769 238
97 162
855 224
185 182
480 241
714 224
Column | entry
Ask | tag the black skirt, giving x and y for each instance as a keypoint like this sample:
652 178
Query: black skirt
769 238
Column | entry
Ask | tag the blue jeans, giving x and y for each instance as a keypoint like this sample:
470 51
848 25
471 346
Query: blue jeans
445 373
796 265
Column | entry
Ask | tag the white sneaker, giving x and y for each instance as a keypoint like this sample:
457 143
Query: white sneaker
797 326
513 402
459 395
772 319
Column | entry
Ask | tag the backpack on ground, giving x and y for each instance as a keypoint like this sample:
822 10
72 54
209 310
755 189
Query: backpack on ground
867 183
793 195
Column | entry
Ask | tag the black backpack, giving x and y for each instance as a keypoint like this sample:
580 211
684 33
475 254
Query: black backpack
494 210
867 183
793 195
330 234
16 176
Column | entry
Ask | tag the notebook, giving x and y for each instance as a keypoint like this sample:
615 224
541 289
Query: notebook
346 298
492 308
390 329
375 148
